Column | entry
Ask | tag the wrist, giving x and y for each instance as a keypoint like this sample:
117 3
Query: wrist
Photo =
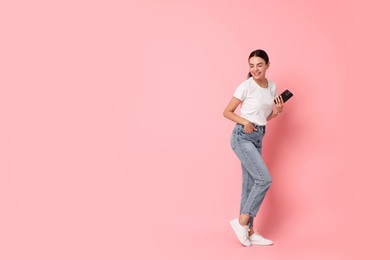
246 122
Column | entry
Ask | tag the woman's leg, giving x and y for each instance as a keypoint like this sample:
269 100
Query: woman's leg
246 220
247 184
251 183
256 182
252 161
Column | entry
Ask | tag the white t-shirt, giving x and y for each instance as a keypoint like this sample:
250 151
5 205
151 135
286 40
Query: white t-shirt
257 102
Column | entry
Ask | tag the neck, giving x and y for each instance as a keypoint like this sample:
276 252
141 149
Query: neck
263 82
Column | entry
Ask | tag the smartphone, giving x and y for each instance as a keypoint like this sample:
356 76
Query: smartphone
286 95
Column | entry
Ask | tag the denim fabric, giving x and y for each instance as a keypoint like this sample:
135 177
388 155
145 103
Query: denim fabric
256 178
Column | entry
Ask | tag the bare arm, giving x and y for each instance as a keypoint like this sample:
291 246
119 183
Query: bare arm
272 115
229 114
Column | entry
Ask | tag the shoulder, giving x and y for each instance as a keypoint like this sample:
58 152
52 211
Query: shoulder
271 83
246 84
272 86
243 89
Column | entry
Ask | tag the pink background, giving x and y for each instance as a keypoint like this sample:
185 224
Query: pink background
113 144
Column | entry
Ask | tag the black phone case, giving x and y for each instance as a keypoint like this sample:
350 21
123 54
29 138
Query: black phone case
286 95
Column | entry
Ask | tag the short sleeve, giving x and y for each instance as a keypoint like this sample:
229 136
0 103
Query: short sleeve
274 90
241 92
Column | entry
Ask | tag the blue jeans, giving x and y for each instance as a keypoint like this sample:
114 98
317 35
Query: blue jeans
256 178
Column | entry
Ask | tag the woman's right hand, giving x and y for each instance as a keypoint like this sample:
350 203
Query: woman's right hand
229 113
249 127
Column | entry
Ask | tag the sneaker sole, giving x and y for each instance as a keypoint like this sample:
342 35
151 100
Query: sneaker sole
261 244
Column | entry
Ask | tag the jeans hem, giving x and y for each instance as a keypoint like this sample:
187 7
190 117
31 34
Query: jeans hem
247 213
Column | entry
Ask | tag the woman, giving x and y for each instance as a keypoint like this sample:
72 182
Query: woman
256 96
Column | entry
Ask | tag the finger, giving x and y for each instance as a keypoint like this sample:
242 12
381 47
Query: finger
278 99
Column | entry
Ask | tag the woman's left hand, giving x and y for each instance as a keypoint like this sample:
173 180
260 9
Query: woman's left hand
279 104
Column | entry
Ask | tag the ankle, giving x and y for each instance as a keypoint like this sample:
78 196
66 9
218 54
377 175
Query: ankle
243 220
242 223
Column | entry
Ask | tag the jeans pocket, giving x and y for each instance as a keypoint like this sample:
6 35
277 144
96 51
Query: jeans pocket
253 132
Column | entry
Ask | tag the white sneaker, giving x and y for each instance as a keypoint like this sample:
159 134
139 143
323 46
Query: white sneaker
241 232
257 239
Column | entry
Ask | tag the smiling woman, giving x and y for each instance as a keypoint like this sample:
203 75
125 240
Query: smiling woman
258 65
256 96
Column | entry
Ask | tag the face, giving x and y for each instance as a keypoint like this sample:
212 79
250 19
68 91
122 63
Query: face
257 67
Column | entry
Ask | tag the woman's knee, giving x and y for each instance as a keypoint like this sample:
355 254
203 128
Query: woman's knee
263 182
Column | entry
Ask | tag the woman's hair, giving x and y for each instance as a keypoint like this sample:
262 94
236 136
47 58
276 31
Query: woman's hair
258 53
